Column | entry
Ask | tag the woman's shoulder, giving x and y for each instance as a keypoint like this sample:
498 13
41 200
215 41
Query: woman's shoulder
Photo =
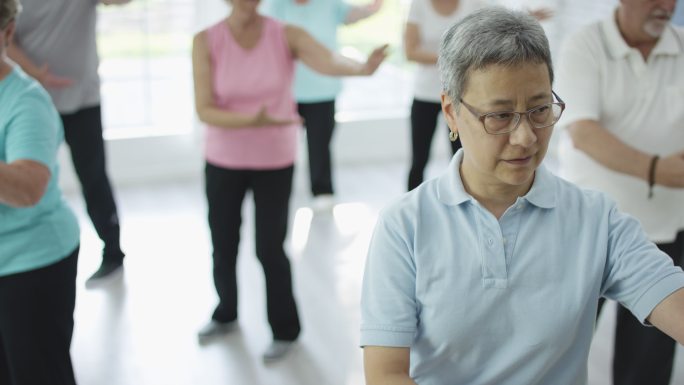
21 89
417 9
422 200
27 110
217 27
17 81
578 199
273 24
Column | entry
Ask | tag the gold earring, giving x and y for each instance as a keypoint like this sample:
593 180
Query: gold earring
453 136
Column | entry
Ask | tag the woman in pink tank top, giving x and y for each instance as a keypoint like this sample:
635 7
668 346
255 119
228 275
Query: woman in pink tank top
243 70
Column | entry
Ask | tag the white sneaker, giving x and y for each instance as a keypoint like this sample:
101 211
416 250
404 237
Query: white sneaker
323 203
277 350
214 328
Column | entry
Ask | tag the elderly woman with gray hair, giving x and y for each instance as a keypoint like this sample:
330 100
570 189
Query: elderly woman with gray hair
39 235
491 273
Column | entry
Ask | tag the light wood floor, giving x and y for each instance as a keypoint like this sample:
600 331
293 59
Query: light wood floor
142 329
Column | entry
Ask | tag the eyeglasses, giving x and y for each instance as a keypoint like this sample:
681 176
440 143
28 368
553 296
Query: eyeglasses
504 122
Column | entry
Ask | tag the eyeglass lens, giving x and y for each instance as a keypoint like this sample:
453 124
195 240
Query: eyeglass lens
542 116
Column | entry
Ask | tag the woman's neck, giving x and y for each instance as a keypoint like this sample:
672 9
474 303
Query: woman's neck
243 20
495 197
246 29
5 68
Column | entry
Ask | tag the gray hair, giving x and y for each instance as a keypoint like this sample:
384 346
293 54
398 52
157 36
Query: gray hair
8 11
492 35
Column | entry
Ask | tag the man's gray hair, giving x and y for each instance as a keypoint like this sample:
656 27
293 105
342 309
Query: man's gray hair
8 11
492 35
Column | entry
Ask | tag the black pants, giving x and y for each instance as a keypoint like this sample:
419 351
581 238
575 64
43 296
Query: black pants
423 125
271 189
644 355
83 134
36 324
319 120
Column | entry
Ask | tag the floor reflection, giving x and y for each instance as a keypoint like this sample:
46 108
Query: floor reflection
142 329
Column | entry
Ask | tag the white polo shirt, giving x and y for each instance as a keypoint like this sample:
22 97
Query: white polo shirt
641 102
431 26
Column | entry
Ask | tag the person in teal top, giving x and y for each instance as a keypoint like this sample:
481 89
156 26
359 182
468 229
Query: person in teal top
316 93
678 17
39 234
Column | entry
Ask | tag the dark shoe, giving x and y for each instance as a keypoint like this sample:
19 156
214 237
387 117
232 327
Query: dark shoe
108 272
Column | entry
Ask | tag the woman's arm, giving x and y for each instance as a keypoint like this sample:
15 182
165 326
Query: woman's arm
41 73
23 182
360 12
541 13
320 59
412 47
204 98
668 316
387 366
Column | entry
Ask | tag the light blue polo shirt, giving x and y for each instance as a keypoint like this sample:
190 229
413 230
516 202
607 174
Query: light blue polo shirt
320 18
30 128
509 301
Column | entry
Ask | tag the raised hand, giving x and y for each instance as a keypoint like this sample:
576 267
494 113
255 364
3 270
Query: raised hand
50 80
375 6
541 13
374 60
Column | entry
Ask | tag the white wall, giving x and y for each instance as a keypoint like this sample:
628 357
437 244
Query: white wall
154 159
363 140
151 159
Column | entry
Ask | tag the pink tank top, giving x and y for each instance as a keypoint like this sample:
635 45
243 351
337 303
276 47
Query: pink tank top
245 81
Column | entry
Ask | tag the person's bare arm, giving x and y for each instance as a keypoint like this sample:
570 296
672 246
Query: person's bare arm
320 59
204 98
41 72
668 316
601 145
23 182
413 49
387 366
361 12
541 13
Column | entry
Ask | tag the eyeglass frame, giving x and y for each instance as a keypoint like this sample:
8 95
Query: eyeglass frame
482 117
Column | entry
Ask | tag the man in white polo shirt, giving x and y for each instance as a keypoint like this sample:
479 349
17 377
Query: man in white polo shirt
623 82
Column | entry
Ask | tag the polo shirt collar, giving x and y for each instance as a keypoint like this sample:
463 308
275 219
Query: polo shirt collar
543 191
450 190
668 44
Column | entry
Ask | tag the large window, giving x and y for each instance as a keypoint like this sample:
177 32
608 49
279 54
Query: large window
146 68
388 92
